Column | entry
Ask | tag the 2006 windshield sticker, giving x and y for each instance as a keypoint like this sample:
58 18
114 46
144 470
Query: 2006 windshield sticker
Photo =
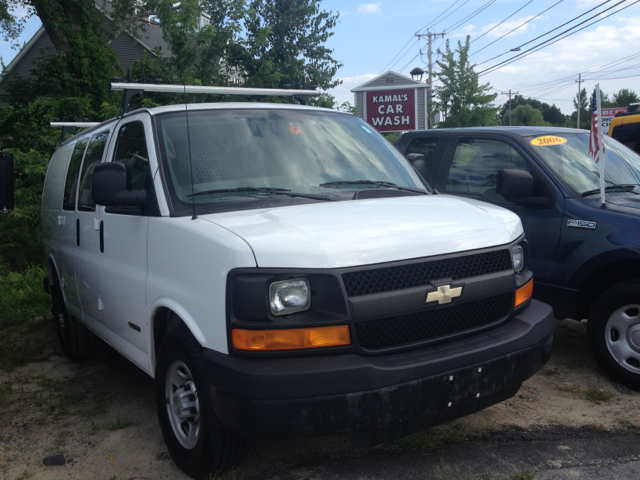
548 141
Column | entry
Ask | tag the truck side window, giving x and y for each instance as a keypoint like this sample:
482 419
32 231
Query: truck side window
131 149
425 146
91 159
628 134
475 166
71 183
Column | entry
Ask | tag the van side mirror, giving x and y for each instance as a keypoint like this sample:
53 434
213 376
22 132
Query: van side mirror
112 187
6 182
419 163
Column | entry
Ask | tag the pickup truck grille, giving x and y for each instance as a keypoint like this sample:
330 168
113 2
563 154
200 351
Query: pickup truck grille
389 279
432 324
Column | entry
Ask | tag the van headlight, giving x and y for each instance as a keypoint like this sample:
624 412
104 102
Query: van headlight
517 255
289 296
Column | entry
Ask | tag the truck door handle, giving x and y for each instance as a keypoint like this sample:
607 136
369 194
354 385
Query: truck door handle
77 232
101 236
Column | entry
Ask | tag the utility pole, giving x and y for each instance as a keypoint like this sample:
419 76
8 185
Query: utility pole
579 81
509 93
430 36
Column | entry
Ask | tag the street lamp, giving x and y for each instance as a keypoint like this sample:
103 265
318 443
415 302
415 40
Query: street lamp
416 74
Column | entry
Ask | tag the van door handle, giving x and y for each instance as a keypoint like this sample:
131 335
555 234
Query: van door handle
77 232
101 236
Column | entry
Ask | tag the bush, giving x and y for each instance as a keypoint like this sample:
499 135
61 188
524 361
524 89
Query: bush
22 296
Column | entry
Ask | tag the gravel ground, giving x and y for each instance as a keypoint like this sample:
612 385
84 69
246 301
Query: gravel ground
568 421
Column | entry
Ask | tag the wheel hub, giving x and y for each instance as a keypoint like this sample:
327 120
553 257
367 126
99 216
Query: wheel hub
183 406
633 337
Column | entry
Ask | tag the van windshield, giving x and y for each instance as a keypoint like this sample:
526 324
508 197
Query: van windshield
241 155
568 156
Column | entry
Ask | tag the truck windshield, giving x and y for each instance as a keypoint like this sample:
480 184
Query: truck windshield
241 155
568 156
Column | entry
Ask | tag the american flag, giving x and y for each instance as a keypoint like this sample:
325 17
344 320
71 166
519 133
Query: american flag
596 143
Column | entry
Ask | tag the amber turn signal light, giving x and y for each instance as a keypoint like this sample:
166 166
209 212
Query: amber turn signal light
523 293
290 339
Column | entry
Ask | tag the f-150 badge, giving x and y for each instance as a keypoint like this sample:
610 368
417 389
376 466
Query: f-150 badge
444 294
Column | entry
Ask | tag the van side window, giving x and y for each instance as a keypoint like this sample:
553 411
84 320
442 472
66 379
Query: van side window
475 166
425 146
131 149
71 183
91 159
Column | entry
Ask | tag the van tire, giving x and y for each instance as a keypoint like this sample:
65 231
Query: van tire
75 339
199 447
614 332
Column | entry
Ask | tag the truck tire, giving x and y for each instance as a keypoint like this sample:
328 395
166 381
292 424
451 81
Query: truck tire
614 332
195 438
75 339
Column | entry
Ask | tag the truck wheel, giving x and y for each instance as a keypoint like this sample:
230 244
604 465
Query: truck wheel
196 440
75 339
614 332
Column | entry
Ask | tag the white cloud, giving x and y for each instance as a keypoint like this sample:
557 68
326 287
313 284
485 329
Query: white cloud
369 8
566 58
342 93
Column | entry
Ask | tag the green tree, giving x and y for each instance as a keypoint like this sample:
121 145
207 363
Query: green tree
464 102
551 114
524 115
624 98
585 113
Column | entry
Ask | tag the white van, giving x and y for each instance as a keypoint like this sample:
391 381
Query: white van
282 271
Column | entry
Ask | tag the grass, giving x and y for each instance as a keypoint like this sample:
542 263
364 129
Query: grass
120 423
526 475
22 296
18 347
453 432
598 396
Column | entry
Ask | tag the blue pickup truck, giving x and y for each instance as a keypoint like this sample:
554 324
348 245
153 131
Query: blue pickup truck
585 256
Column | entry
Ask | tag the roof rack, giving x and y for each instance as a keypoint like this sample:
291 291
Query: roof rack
66 126
131 89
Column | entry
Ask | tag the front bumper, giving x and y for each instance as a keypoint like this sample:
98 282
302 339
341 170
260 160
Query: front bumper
382 397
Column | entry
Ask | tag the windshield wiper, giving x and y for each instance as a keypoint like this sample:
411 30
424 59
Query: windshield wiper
275 191
374 182
623 187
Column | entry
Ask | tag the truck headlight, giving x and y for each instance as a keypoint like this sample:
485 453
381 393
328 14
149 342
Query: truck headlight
517 255
289 296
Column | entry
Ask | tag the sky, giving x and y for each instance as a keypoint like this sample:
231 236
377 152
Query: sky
373 38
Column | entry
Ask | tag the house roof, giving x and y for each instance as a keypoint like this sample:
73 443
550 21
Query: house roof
404 82
150 39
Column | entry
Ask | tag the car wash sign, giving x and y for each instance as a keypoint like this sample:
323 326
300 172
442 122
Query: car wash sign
391 110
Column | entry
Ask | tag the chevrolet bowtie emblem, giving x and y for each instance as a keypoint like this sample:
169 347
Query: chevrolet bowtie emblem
444 294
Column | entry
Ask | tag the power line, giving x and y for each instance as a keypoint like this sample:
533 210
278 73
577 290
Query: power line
390 64
403 55
547 33
496 26
542 45
445 11
469 17
521 25
558 81
385 68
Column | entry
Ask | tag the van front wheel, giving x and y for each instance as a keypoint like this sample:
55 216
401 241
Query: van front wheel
196 440
614 332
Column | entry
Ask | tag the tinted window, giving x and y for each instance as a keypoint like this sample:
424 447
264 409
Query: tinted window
628 134
476 163
91 159
131 149
425 146
71 184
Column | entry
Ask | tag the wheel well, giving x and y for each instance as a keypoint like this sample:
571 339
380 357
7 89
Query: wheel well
601 280
163 321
